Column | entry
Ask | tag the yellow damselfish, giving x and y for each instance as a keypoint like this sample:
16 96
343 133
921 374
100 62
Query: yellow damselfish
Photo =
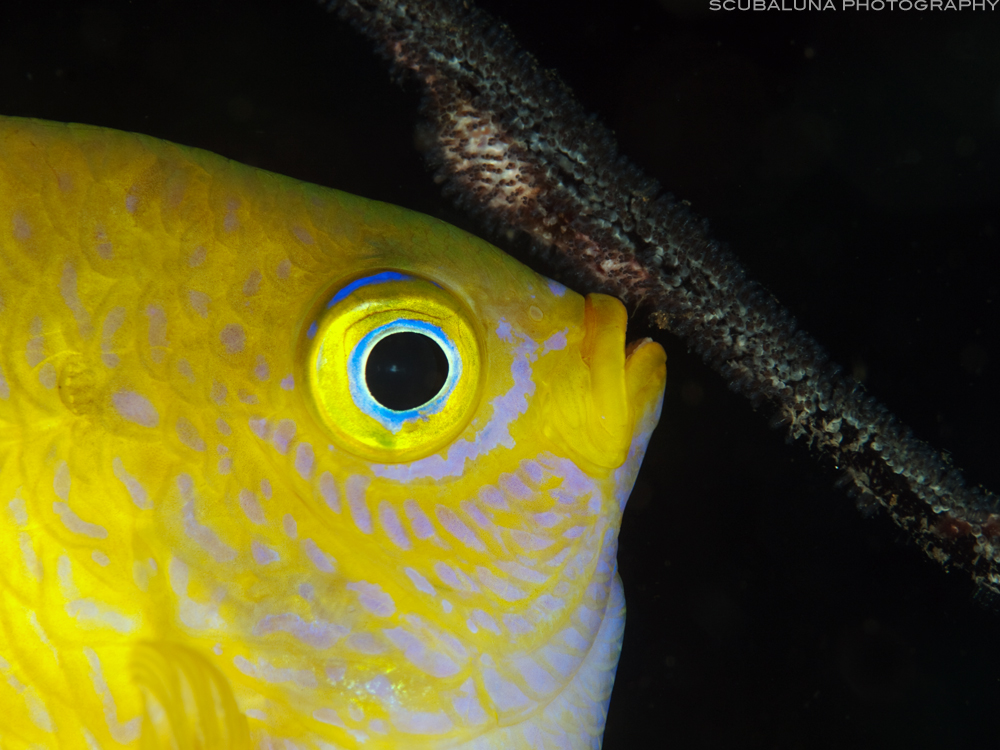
283 467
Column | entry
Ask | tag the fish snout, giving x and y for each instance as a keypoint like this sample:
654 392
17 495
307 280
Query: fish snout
601 397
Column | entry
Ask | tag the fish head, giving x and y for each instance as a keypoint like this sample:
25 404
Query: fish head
314 467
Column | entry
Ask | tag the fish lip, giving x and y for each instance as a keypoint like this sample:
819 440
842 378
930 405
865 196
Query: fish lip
632 346
597 396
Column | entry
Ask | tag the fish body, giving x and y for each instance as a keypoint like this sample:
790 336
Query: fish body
216 527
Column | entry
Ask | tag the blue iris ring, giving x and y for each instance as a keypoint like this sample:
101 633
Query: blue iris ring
357 364
378 278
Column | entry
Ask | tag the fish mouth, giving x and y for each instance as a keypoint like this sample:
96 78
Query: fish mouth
631 346
619 386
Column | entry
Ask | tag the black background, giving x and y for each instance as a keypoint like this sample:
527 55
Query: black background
850 159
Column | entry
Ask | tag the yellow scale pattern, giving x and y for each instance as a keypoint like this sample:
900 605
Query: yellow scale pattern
192 554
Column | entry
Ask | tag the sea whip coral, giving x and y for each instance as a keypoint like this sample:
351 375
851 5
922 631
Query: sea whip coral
512 145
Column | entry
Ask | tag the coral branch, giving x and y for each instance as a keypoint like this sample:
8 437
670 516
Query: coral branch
512 145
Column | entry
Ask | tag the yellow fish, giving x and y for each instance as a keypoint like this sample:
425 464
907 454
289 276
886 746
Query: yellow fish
280 464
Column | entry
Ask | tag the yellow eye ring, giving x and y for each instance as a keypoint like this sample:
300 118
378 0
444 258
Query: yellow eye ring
338 345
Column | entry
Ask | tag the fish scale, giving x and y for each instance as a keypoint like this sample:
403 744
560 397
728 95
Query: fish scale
202 547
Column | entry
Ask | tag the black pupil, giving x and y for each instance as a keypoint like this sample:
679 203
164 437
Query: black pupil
405 370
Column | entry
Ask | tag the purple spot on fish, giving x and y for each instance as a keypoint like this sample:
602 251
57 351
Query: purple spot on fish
318 634
473 512
135 490
252 284
230 222
457 528
366 643
535 677
393 528
251 507
506 695
284 433
467 706
188 435
261 371
546 520
512 486
258 426
521 572
22 229
417 653
157 331
262 554
328 716
574 639
420 722
135 408
549 603
302 235
420 582
219 392
419 522
564 664
590 618
323 562
492 497
357 491
77 525
197 256
304 458
202 535
373 598
483 620
233 337
517 624
555 342
447 575
499 586
328 491
504 332
335 674
536 473
61 481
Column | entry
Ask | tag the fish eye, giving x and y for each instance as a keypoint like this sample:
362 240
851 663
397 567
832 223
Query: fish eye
405 369
402 371
393 365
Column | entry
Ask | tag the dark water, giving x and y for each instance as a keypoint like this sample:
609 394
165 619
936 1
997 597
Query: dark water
850 159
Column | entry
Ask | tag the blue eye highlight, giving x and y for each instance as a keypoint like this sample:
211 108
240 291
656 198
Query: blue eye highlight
378 278
403 371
